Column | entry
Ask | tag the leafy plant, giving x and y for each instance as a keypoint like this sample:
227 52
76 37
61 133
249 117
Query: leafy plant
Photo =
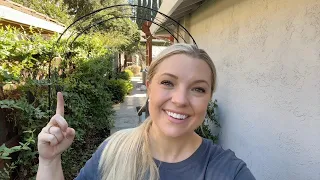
26 153
134 69
129 72
123 75
54 9
211 119
88 109
23 56
119 88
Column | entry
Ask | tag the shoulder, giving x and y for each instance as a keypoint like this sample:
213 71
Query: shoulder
224 164
91 168
91 171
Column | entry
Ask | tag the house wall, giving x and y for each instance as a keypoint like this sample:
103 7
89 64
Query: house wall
267 55
182 35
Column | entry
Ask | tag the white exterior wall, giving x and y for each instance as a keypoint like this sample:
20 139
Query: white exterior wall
267 55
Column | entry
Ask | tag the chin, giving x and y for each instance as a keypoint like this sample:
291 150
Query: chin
173 132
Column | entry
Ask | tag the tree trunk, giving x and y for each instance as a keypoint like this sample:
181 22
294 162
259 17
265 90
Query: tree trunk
1 93
125 61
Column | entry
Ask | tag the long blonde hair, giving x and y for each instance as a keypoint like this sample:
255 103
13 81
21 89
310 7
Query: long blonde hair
127 155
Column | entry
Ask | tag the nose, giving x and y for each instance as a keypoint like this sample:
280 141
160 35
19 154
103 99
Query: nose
180 97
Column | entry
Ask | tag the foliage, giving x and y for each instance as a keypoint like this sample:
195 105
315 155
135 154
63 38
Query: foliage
22 56
119 33
84 72
122 33
129 72
146 13
90 94
135 69
211 119
29 120
79 8
119 89
129 86
85 81
89 111
141 51
123 75
55 9
5 153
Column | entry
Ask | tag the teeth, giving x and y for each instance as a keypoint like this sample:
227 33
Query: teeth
177 116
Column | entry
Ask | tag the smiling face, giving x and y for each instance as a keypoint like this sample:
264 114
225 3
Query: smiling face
179 94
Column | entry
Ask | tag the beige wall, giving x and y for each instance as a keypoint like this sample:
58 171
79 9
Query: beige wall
182 35
267 54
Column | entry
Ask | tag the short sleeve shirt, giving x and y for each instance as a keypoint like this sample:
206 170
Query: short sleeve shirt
208 162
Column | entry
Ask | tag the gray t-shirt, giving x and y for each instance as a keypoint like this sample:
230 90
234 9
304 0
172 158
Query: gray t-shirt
209 162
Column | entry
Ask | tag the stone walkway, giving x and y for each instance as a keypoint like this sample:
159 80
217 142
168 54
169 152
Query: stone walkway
126 113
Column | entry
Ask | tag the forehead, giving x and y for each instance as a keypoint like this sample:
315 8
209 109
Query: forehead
185 67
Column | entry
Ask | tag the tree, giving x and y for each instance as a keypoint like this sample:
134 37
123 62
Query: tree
55 9
147 13
122 31
80 8
154 6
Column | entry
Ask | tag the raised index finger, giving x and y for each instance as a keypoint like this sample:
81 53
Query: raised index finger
60 104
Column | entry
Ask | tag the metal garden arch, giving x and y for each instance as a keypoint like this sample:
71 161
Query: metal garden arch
164 23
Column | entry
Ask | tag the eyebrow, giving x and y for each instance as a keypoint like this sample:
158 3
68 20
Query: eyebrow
168 74
201 81
195 82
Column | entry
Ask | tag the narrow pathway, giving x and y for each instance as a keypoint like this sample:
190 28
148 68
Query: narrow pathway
126 113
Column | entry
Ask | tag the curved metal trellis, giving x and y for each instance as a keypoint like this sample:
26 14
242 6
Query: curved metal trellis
125 5
113 18
79 30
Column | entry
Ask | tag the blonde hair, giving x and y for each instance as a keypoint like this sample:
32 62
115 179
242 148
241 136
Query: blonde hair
127 155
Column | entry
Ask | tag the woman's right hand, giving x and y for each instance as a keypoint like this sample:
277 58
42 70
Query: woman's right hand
56 137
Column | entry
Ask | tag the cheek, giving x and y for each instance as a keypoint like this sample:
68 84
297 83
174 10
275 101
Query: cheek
159 95
156 100
200 106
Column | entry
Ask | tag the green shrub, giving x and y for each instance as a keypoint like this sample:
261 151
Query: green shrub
129 86
122 75
125 75
29 120
119 88
88 110
129 72
135 69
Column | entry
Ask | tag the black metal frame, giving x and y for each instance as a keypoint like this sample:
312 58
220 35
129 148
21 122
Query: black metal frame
103 21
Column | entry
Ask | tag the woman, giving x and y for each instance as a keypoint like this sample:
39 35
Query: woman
180 85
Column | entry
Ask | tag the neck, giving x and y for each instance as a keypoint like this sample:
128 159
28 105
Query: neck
172 149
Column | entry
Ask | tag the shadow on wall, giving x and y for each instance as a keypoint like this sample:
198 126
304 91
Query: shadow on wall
219 6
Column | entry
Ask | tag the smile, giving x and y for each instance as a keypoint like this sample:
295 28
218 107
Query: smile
177 116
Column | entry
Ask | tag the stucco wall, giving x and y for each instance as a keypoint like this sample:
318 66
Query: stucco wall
267 55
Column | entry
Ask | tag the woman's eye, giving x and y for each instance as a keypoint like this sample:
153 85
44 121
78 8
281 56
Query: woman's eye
166 83
200 90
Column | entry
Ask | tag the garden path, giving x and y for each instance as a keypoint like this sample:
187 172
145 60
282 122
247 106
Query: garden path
126 113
